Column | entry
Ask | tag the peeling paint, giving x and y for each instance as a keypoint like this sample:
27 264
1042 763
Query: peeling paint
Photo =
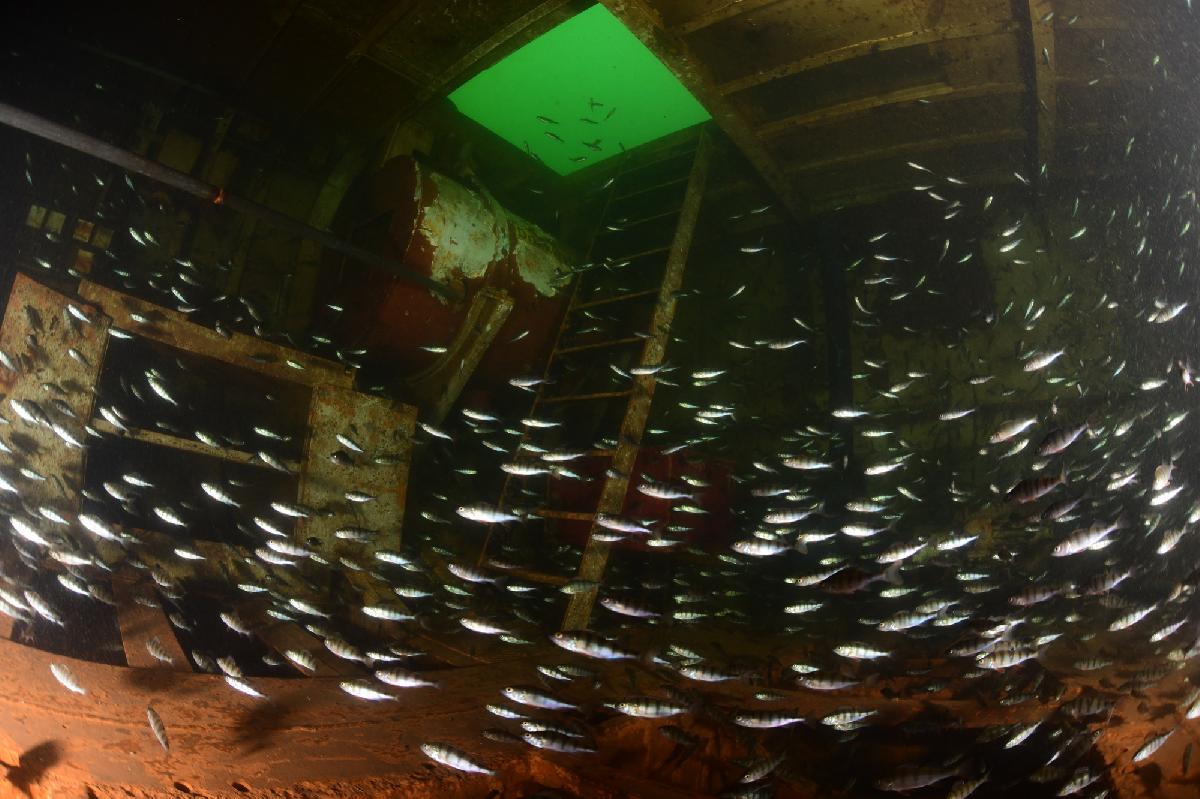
461 235
539 262
465 234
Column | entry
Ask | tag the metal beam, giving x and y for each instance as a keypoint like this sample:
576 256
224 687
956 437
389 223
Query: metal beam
1044 88
881 44
187 445
647 25
248 352
459 69
132 162
909 94
909 148
612 496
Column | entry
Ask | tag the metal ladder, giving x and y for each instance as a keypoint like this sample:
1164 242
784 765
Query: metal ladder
639 395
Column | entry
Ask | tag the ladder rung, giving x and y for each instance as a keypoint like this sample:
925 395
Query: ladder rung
570 515
616 342
627 224
633 295
598 395
680 152
655 187
535 576
633 256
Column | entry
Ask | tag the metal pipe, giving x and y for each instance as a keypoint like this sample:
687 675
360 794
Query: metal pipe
132 162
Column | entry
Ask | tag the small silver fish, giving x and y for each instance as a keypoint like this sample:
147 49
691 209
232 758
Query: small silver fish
158 728
66 678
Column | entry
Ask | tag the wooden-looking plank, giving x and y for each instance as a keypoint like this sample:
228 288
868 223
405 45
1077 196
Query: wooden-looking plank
913 147
881 44
141 624
437 388
724 11
247 352
383 430
311 730
909 94
1045 86
616 485
187 445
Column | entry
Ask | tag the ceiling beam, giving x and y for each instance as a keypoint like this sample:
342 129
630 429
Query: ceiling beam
909 94
727 10
895 41
907 149
1044 89
876 193
647 25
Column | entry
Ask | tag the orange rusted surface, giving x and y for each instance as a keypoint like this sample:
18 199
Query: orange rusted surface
307 739
310 739
308 729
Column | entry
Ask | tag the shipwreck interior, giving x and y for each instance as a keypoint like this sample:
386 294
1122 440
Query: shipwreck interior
642 398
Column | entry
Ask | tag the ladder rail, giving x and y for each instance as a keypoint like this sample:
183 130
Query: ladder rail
506 486
616 485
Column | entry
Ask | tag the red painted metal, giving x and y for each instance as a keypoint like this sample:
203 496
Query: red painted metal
439 227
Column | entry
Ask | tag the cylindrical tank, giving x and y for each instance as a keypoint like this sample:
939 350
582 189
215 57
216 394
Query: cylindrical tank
465 239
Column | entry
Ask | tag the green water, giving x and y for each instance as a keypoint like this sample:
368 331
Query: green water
589 67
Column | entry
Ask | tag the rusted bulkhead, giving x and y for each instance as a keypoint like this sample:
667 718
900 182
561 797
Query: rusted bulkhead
467 240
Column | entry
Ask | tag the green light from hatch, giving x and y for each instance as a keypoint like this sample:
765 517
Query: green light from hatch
588 68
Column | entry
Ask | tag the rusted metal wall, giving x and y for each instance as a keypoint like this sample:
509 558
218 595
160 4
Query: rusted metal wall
383 430
57 359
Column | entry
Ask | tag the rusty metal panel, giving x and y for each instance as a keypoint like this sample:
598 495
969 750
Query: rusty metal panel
49 347
174 329
383 430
